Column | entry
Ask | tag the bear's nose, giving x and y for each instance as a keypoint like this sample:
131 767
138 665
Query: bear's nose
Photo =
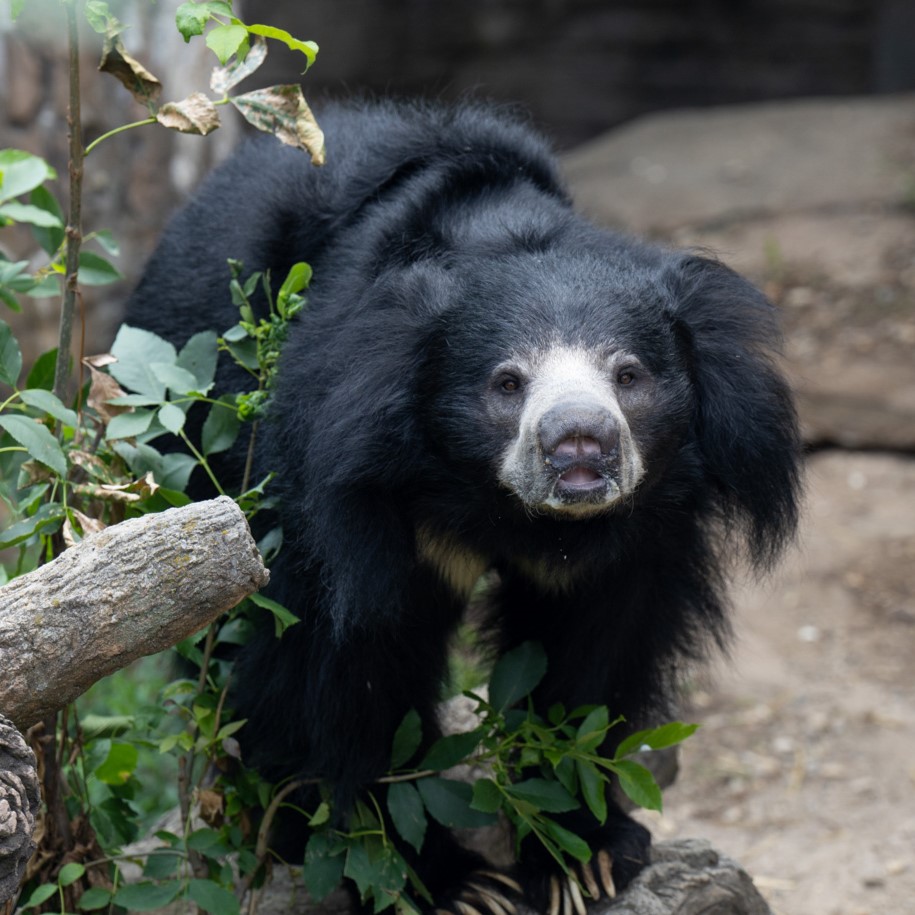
571 430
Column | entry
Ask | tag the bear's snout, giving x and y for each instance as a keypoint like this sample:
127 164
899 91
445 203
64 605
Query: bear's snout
575 432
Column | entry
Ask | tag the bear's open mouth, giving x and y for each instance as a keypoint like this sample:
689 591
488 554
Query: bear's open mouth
580 479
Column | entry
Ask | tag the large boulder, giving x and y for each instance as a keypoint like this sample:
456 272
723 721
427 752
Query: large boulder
812 199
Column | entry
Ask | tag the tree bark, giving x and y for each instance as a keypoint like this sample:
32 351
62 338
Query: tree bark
19 800
131 590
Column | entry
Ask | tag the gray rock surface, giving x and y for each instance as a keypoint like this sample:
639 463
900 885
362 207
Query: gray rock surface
813 200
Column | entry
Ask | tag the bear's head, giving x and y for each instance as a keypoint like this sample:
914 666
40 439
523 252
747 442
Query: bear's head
563 375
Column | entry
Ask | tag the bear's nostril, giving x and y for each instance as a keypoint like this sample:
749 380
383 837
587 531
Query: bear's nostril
578 446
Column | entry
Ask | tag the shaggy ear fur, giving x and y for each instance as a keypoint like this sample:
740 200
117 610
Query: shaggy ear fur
745 427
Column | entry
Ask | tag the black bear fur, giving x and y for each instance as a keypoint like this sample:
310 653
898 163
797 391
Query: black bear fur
443 245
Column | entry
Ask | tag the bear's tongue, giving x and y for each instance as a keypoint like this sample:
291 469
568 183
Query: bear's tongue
579 476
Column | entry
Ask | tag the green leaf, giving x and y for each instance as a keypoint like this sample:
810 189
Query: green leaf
20 172
147 897
45 516
297 279
36 439
95 897
107 241
568 842
48 403
593 730
41 375
593 789
544 795
26 212
70 873
638 784
407 738
213 898
226 40
487 797
667 735
449 802
324 862
220 429
171 417
199 356
129 425
52 237
451 750
119 764
407 814
176 379
176 471
40 894
308 48
10 356
516 674
282 617
95 270
161 865
208 842
135 350
191 19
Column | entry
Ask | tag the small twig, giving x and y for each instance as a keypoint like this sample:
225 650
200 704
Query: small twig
74 217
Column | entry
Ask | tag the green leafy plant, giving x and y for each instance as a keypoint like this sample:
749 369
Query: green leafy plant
537 768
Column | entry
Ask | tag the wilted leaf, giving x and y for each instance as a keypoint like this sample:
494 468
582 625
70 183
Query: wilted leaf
195 114
87 524
101 20
212 806
138 81
103 388
283 111
136 491
224 78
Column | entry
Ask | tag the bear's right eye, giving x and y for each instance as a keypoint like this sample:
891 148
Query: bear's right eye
510 384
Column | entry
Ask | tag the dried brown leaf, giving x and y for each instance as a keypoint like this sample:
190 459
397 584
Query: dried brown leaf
212 806
87 525
141 84
104 388
224 78
136 491
195 114
283 111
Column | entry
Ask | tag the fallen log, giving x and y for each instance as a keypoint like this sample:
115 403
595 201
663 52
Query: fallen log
130 590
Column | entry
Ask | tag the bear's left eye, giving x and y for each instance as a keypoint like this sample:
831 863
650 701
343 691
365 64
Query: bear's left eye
626 377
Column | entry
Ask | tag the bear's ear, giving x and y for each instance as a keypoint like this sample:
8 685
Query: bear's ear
745 422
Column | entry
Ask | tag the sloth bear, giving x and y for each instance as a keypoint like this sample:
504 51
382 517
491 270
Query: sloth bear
482 381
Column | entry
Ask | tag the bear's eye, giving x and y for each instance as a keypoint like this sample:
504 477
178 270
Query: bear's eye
510 384
626 377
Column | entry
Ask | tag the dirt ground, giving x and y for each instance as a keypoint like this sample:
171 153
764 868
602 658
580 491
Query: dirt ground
804 768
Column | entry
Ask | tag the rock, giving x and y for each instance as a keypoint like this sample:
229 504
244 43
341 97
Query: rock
813 201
